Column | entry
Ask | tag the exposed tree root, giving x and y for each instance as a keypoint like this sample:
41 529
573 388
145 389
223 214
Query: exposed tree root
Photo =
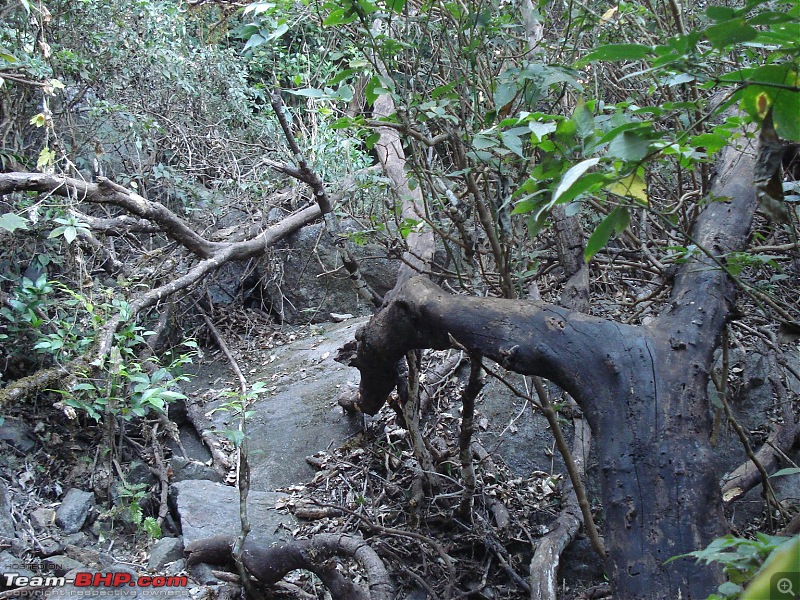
269 564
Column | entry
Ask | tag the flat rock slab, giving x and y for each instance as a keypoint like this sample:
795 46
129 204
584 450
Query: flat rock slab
298 416
207 509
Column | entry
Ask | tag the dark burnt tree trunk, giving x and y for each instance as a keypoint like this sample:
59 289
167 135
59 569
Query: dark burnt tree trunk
642 389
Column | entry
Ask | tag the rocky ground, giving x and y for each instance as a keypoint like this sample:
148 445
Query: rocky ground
69 507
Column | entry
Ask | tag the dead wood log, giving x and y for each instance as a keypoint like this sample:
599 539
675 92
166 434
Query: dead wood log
269 564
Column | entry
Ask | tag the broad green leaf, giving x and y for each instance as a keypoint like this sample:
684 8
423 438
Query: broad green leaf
770 89
614 52
512 142
587 184
729 33
572 176
309 93
526 206
70 233
540 130
11 222
632 186
584 120
255 40
396 6
616 222
258 8
712 142
784 559
340 16
504 94
787 471
720 13
786 108
628 146
341 76
7 57
376 86
278 32
481 142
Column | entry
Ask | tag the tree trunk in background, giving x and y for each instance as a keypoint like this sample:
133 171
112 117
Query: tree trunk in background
642 389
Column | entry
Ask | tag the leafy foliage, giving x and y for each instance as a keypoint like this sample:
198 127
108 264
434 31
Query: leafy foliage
741 560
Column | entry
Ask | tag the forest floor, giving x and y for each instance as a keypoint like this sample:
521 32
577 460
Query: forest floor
371 485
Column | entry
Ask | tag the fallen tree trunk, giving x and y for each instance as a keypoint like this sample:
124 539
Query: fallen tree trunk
642 389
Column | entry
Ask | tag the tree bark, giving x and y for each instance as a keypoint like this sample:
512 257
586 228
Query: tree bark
642 390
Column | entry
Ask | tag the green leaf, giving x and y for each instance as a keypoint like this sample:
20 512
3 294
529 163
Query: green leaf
512 142
616 221
729 589
628 147
729 33
787 471
540 130
309 93
584 120
152 528
255 40
614 52
768 90
720 13
786 108
504 94
70 233
396 6
376 86
11 222
278 32
572 176
482 142
39 120
712 142
340 16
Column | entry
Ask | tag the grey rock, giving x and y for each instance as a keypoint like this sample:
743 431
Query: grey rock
313 281
89 557
18 435
203 574
175 567
6 520
188 470
207 509
139 473
520 436
42 517
165 550
61 564
74 510
11 564
298 415
793 358
192 443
